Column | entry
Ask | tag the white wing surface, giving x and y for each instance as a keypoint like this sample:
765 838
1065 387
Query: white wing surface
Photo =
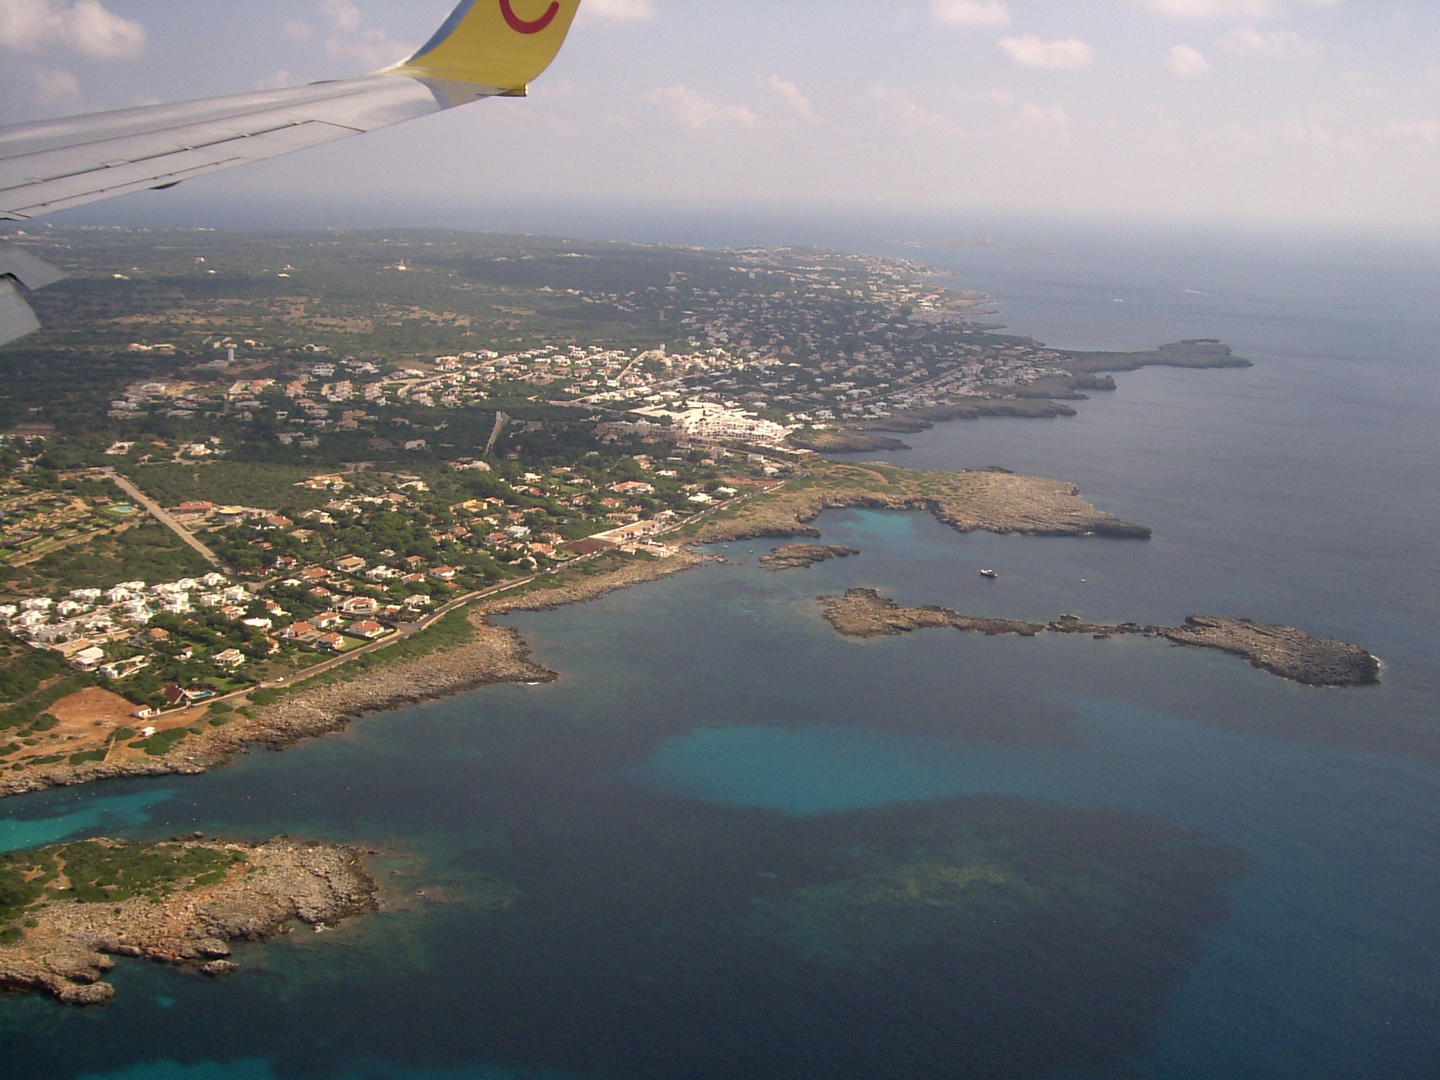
484 49
63 163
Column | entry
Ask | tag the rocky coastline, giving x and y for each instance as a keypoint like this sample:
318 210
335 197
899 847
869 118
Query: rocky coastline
494 654
1280 650
580 589
1041 399
804 556
179 903
990 499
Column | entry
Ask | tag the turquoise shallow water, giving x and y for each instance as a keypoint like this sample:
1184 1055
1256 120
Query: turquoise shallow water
728 842
107 815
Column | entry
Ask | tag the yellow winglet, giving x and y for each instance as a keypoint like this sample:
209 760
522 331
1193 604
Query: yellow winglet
500 43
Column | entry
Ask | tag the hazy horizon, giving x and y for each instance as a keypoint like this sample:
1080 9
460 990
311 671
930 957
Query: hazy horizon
1281 114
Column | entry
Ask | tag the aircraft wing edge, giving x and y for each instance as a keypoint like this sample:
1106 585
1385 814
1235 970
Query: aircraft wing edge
56 168
486 48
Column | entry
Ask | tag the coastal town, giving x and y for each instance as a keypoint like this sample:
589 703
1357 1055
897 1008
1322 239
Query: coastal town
293 456
316 355
348 559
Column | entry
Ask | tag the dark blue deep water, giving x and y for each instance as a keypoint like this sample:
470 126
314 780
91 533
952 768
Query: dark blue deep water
729 843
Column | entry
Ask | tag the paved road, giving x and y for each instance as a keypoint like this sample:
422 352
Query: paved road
158 513
410 629
406 630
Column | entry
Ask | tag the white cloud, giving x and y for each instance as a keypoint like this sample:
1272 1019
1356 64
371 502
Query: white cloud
85 27
1212 9
349 39
1225 9
617 10
970 12
985 97
54 86
1067 55
789 93
694 110
899 108
296 30
1416 133
343 15
278 81
1187 62
1031 117
1359 88
1276 45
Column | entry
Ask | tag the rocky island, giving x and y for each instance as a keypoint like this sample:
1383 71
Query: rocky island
67 910
803 556
1281 650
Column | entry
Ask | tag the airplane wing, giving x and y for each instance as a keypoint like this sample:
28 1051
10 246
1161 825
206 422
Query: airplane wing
486 48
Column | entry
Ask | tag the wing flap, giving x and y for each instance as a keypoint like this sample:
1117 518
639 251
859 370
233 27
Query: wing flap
16 318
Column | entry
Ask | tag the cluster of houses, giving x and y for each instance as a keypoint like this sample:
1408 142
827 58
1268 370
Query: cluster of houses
84 622
708 420
86 625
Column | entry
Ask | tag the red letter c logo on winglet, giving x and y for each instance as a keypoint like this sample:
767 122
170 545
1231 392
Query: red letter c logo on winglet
522 26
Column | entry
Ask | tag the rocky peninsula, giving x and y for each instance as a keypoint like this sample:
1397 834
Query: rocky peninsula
1281 650
990 499
67 910
1067 378
804 556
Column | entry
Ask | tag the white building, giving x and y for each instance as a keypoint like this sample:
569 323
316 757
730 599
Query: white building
87 659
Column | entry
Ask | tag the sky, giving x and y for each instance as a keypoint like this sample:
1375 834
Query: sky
1264 111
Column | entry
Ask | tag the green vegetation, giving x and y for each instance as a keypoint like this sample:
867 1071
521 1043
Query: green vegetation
160 744
146 552
29 715
102 871
22 668
228 483
448 632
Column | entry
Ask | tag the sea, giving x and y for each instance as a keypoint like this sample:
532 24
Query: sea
729 843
